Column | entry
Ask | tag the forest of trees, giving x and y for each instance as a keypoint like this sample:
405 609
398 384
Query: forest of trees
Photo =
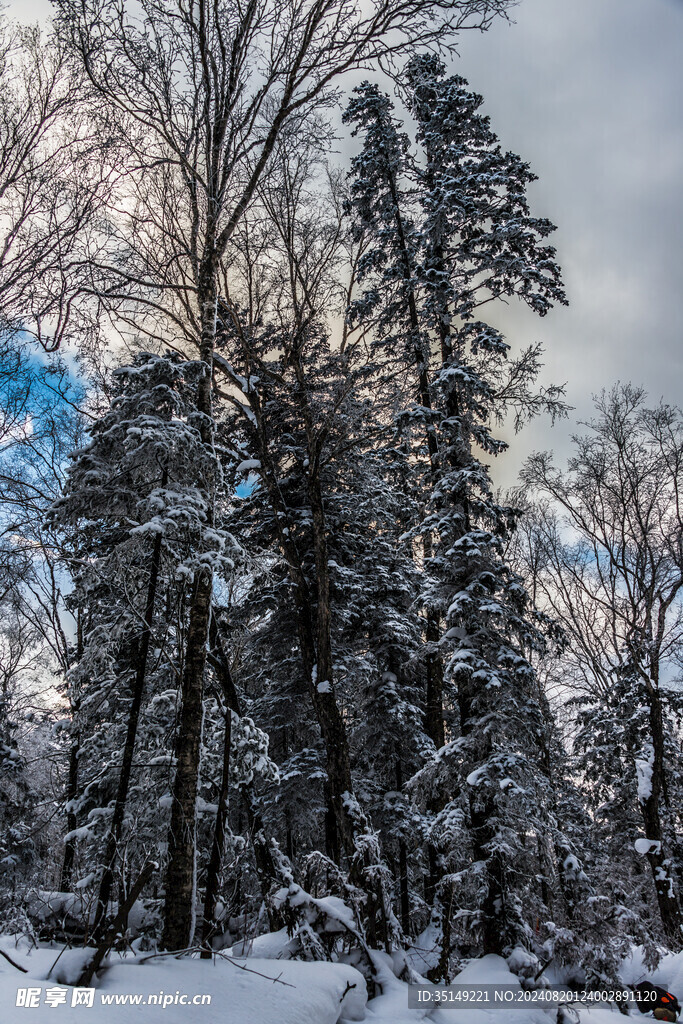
274 651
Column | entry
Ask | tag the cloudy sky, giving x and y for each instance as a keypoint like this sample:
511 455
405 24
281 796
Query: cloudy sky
590 92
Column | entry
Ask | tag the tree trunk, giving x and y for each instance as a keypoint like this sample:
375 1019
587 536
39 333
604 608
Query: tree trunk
434 723
265 866
179 903
331 831
263 857
434 718
72 781
117 926
215 864
483 828
313 629
404 897
442 970
222 669
348 815
71 820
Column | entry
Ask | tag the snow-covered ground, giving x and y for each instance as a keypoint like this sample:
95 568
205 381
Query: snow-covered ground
261 989
241 992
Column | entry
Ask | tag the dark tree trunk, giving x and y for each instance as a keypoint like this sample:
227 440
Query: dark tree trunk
331 831
552 853
434 724
66 877
117 926
483 828
265 866
179 903
348 816
434 719
403 886
213 871
433 876
313 628
433 712
404 898
442 970
263 857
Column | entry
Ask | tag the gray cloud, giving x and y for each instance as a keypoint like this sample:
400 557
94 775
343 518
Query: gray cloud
590 92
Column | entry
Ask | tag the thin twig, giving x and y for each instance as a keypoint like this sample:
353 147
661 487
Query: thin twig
250 970
13 962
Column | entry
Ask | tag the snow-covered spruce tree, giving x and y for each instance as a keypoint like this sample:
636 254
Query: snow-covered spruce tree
375 635
300 515
611 760
136 519
378 637
450 230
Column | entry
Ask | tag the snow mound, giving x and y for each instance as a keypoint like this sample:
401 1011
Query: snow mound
493 970
391 1007
270 946
70 965
313 993
669 974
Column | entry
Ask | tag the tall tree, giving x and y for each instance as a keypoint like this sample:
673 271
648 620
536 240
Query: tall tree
450 232
306 411
42 417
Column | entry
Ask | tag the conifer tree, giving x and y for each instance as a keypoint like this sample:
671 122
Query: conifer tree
450 230
136 517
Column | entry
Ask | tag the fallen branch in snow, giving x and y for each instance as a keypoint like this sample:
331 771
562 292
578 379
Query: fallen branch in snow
170 952
348 988
546 964
250 970
223 956
9 958
49 973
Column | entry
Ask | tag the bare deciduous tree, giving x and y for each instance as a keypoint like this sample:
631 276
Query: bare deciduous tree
53 180
606 559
